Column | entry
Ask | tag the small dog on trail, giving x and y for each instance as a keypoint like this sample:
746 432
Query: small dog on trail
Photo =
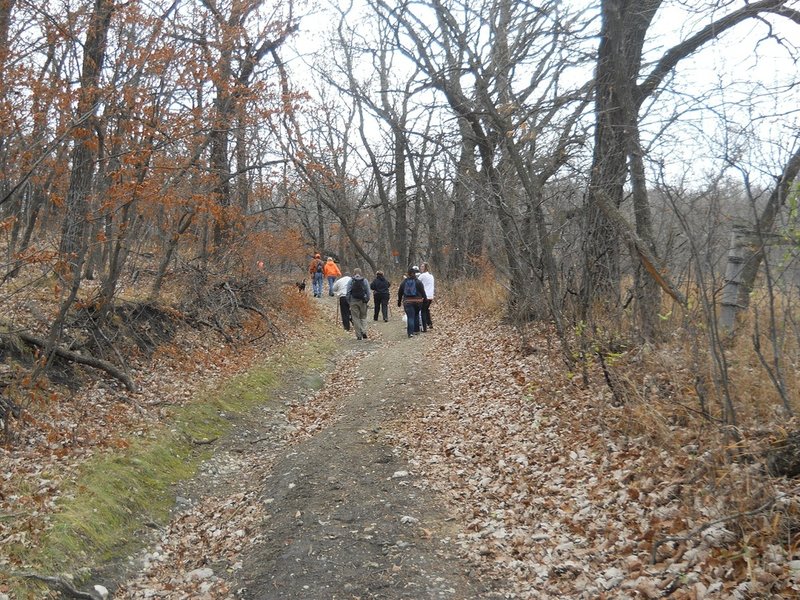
301 286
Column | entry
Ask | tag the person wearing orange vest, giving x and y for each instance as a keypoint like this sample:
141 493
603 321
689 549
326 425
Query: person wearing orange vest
331 272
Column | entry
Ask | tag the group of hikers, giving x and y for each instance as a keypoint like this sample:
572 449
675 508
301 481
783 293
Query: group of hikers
354 293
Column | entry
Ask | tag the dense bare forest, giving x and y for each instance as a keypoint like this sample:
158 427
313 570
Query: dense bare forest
620 174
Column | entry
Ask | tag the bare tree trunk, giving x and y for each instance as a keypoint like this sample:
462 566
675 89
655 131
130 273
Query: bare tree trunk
74 229
648 293
36 203
221 169
94 252
6 8
320 241
242 183
618 63
16 208
401 197
126 231
432 232
464 182
184 223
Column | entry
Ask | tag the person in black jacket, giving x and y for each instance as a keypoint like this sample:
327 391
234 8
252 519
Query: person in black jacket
410 295
380 287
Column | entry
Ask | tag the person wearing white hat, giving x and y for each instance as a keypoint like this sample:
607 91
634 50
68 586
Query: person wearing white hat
426 277
418 321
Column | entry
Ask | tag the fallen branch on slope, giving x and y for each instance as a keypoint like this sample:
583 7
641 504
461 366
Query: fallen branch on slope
82 359
59 584
749 513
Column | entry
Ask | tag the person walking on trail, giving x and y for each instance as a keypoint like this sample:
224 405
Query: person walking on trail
418 322
410 295
340 291
331 272
426 277
358 298
380 287
315 268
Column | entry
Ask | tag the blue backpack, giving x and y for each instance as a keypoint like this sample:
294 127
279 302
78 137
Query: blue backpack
410 287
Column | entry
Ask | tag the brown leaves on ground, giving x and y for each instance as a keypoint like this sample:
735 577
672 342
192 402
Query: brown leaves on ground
562 495
58 433
320 409
199 548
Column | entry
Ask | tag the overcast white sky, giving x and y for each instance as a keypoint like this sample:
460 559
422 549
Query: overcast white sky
748 75
743 62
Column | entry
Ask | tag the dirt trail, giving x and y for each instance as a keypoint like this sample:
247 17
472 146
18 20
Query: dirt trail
346 516
310 496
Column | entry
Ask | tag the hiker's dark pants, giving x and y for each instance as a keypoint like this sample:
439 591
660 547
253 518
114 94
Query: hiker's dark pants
344 307
425 314
381 305
420 323
411 316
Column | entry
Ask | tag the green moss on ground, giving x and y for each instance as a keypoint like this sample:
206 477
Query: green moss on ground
119 494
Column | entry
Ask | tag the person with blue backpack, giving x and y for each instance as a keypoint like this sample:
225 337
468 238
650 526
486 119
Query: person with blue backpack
410 296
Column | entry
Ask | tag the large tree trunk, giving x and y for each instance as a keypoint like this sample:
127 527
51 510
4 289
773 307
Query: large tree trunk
463 185
242 183
74 229
401 197
6 8
647 291
624 26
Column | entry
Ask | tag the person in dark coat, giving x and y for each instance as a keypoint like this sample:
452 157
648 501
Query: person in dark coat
410 295
380 287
